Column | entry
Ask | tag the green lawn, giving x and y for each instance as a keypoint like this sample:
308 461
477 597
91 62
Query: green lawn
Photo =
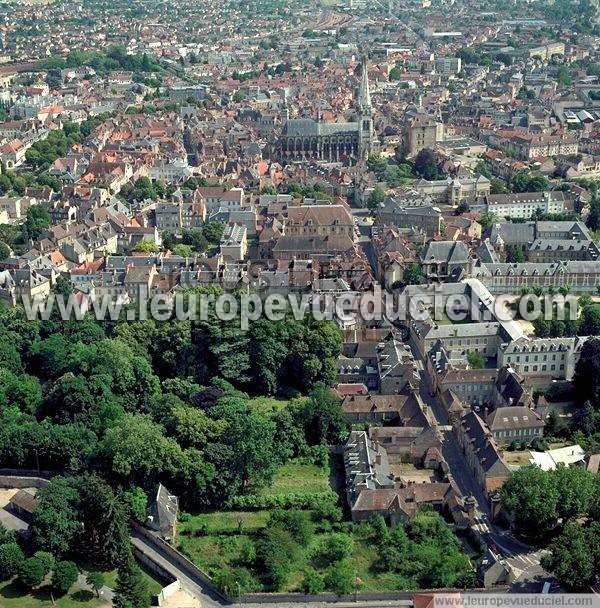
267 405
11 596
296 477
224 522
220 540
154 586
229 553
223 540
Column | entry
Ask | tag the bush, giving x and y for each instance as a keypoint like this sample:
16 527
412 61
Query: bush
339 578
313 583
31 572
296 522
201 530
64 577
248 554
224 581
301 500
47 560
334 548
327 511
276 552
317 455
11 560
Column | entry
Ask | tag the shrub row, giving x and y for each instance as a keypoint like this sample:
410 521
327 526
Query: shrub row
300 500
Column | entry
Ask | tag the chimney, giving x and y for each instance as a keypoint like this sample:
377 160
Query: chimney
470 504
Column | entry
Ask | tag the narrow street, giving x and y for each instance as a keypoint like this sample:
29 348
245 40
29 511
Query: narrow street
524 560
363 238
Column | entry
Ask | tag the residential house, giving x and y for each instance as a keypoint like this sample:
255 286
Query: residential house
515 423
481 451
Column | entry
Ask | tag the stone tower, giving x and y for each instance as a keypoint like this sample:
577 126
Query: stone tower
366 132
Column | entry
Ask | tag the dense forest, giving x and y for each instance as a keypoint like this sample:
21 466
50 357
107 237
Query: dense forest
147 401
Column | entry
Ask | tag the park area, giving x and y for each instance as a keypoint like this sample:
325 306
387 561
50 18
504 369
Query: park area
292 542
12 594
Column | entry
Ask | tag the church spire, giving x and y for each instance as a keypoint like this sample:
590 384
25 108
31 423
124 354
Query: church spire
364 94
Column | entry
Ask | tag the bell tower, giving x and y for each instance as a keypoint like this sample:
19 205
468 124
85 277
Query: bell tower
366 132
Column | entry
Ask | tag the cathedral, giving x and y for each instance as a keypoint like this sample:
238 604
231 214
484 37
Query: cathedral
347 142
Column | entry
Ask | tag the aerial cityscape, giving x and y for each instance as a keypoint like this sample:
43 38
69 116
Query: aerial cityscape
299 303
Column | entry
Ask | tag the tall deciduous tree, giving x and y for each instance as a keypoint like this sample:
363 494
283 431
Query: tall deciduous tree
572 559
531 496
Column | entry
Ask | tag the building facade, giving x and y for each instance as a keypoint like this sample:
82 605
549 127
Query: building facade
348 142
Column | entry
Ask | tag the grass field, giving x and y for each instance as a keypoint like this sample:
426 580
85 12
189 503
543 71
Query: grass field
267 405
295 477
12 596
224 541
520 458
216 553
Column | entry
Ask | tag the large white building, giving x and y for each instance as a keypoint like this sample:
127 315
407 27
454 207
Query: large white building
554 357
521 205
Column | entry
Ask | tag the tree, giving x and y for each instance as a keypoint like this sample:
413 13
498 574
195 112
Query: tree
10 359
213 232
322 417
542 327
488 219
276 551
463 207
51 355
376 197
55 520
590 321
576 487
297 522
570 558
313 583
413 275
497 186
593 219
335 547
136 503
425 164
95 580
339 578
31 572
252 438
104 536
4 251
514 254
184 251
531 496
64 576
137 450
587 372
476 360
11 560
131 589
147 247
47 560
38 220
195 239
